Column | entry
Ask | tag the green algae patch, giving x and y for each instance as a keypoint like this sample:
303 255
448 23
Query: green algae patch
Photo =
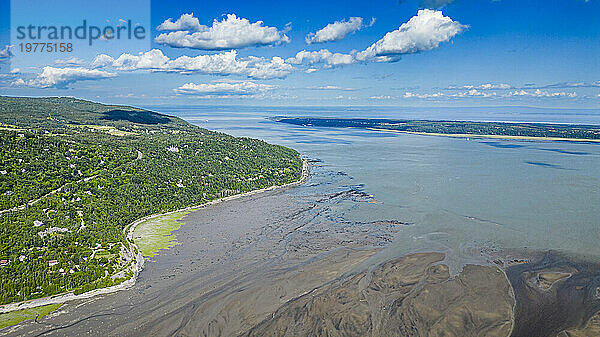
18 316
155 234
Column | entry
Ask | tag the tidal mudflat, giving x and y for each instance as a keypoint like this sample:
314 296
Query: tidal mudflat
288 263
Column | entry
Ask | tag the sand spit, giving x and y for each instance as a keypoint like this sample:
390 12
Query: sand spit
548 279
409 296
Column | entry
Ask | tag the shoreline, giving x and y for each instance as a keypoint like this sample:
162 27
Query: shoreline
469 135
137 267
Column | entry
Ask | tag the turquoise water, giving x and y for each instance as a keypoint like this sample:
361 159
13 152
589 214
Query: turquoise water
466 197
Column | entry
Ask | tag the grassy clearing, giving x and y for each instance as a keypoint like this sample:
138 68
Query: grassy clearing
106 254
9 127
18 316
156 234
106 128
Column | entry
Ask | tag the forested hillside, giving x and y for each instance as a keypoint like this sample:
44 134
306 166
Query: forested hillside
74 174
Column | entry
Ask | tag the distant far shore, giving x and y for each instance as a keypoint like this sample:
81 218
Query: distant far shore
470 135
459 129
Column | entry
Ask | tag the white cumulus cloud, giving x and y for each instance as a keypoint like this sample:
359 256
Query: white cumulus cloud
477 93
242 88
153 59
381 97
5 53
185 22
230 33
102 61
416 95
62 77
473 93
337 30
541 93
486 86
422 32
321 56
468 93
225 63
330 87
263 68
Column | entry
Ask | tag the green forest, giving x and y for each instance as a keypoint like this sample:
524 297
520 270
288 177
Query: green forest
75 173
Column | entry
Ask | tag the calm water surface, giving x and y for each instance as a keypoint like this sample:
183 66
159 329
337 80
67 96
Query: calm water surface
462 196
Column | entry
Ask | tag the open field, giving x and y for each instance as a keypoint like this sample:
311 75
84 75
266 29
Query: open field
156 233
16 317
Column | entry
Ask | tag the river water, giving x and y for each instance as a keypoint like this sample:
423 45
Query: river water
469 198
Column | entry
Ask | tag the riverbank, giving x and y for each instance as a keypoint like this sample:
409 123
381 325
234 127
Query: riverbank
134 255
167 243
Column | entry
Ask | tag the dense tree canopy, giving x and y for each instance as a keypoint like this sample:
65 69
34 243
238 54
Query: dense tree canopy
71 180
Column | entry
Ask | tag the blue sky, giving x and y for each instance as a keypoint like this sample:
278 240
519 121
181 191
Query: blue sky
449 53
